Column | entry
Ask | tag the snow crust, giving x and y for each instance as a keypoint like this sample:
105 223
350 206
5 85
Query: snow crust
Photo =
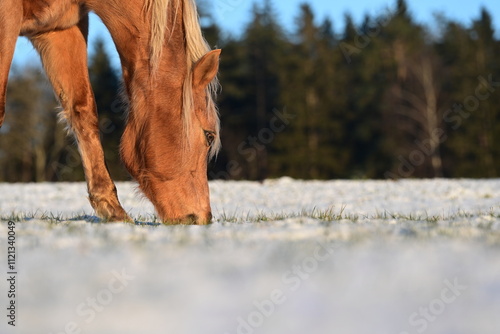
404 257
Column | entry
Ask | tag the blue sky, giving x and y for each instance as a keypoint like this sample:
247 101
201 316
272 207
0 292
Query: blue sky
233 15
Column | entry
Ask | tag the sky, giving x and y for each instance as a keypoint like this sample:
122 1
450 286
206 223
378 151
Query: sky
234 15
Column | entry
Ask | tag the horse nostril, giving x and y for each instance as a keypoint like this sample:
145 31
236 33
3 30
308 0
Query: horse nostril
192 219
198 220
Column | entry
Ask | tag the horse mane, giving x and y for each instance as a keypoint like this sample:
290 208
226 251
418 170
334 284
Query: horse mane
196 47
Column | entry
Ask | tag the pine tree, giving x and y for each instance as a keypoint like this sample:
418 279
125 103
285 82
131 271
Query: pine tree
249 74
469 55
310 147
29 137
106 86
486 115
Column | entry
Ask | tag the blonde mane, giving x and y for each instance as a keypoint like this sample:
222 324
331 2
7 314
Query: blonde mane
196 47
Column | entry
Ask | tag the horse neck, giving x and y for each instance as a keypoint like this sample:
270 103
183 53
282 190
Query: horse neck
151 85
172 64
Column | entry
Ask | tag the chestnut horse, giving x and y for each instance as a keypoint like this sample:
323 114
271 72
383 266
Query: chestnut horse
170 78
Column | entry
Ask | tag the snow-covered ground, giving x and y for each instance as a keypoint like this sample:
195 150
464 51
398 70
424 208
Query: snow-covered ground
282 256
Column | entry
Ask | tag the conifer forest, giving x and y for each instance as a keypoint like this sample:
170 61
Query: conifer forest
385 98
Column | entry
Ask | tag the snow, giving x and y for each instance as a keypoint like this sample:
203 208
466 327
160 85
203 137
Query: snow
404 257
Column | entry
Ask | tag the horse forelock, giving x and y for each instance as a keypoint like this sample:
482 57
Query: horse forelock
195 48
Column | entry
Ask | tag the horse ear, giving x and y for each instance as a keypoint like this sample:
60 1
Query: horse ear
206 69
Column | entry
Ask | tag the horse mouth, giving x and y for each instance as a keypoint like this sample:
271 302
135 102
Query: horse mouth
191 219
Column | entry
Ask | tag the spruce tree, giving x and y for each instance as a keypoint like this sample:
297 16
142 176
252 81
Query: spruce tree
106 86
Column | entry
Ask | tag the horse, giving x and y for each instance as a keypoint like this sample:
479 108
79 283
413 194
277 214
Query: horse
170 79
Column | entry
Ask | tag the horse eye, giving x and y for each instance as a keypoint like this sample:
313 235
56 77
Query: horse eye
210 137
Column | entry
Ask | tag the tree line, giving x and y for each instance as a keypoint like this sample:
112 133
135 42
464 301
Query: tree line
384 98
